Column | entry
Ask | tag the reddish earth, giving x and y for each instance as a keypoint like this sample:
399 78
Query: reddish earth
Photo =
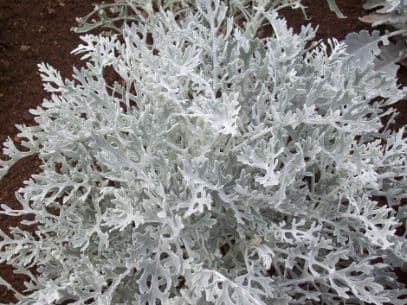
39 30
30 32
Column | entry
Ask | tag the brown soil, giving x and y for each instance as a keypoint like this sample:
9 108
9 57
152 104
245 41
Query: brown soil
31 32
39 30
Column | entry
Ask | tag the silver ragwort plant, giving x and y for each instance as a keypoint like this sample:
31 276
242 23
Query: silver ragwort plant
221 167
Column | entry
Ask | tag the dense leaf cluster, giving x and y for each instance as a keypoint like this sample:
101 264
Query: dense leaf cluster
219 167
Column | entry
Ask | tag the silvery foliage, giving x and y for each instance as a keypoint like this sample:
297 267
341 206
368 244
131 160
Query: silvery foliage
389 12
115 14
376 47
220 168
392 13
110 15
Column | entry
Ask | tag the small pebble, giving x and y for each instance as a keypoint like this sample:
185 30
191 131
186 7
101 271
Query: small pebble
51 11
24 48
